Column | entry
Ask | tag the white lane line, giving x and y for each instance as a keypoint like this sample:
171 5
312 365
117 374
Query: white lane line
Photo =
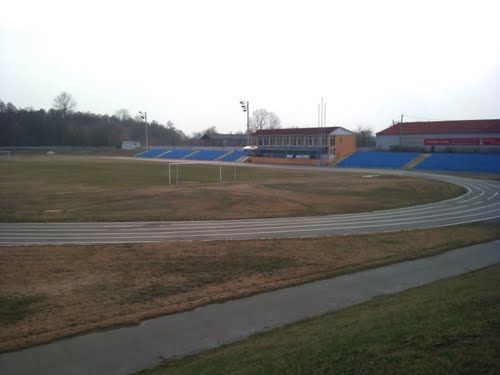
226 234
401 210
78 241
473 198
185 231
493 196
216 224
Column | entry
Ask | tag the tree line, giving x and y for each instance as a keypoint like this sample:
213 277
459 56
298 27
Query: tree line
63 126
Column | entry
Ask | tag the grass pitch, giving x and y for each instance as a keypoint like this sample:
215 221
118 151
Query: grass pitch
56 188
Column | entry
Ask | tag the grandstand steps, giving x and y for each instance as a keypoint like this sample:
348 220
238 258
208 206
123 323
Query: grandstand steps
223 156
334 162
191 154
163 154
413 163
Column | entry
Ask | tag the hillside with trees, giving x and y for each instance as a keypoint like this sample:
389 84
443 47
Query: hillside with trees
63 126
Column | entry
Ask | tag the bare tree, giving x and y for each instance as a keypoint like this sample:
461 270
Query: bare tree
123 114
64 103
274 121
364 136
263 119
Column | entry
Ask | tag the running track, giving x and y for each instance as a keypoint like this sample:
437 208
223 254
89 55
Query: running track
481 202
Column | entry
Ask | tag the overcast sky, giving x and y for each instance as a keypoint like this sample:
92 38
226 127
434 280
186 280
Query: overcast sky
191 62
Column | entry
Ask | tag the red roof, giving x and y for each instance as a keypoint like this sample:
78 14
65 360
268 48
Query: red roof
443 127
295 131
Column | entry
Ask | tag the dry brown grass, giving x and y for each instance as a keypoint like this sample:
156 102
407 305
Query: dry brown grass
98 189
48 292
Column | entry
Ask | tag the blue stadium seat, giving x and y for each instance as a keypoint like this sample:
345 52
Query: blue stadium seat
233 156
150 154
206 155
488 163
176 154
376 159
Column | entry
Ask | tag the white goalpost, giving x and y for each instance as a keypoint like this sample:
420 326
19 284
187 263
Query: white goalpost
7 153
174 171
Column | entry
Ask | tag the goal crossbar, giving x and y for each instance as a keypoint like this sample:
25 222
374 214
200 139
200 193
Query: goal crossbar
173 168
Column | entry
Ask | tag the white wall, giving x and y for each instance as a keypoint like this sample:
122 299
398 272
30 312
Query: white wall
384 142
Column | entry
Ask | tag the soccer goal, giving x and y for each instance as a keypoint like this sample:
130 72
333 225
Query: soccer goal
192 173
5 155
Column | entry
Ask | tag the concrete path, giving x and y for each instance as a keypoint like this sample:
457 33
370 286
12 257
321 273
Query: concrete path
129 349
480 203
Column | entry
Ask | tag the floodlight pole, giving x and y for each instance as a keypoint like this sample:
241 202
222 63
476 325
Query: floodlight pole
248 123
245 105
144 116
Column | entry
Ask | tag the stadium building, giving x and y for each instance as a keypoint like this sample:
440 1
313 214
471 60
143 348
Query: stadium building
304 143
448 136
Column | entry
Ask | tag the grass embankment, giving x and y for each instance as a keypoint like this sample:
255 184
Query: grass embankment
448 327
54 189
50 292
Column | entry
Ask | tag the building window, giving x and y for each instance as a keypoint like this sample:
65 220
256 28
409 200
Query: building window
332 141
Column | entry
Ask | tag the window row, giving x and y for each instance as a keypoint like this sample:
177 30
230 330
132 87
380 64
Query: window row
293 141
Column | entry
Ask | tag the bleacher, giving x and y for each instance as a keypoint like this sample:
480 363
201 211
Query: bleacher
150 154
377 159
233 156
176 154
206 155
487 163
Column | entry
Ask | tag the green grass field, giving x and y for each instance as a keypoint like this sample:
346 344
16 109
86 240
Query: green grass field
64 188
449 327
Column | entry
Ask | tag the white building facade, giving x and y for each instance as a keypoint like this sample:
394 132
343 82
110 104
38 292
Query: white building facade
445 136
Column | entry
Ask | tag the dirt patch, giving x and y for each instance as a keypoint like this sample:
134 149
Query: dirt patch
48 292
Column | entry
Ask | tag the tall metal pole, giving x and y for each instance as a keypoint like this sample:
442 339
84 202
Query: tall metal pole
146 119
321 112
401 133
318 116
245 105
324 126
324 116
319 133
248 123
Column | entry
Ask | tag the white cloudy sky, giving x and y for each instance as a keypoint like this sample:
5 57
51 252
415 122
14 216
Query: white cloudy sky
193 61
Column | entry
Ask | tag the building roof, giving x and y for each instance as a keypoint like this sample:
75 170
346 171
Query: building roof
295 131
224 136
443 127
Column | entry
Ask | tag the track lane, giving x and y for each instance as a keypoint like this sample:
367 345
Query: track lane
480 202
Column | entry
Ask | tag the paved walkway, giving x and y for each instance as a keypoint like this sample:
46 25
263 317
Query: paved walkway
129 349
